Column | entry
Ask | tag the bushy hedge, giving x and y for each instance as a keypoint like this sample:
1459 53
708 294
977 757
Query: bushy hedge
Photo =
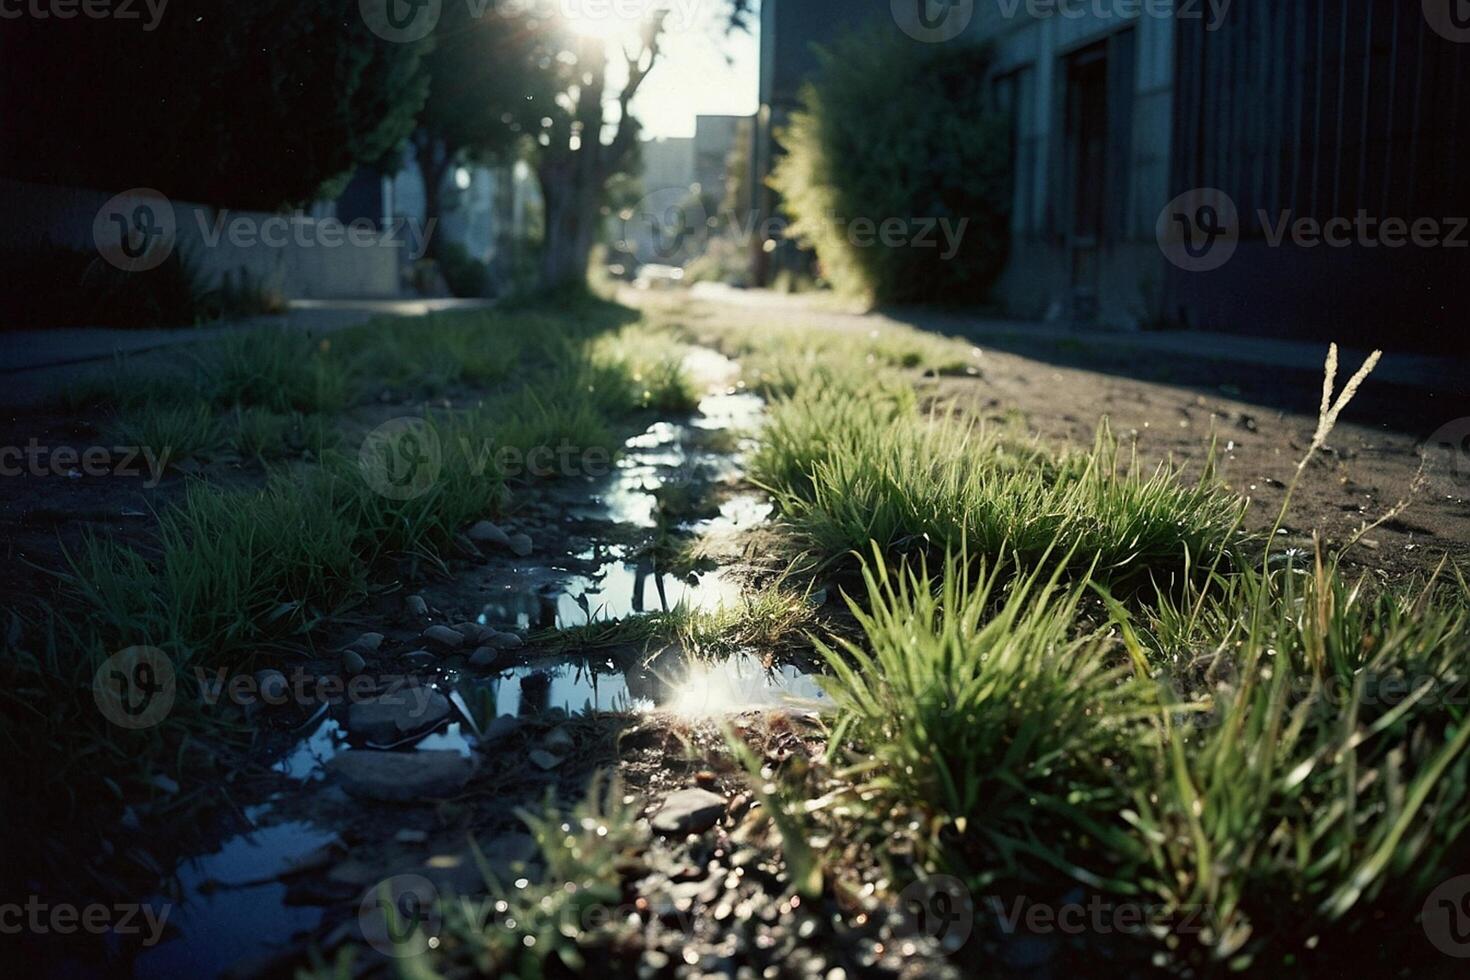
894 130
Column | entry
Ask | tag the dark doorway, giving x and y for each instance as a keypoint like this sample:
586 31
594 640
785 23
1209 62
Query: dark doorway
1087 164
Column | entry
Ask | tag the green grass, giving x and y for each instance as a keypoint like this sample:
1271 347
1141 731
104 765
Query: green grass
846 470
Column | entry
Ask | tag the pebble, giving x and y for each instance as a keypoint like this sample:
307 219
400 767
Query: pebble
503 727
520 545
483 657
272 686
503 641
353 663
401 777
544 760
444 636
487 533
689 811
367 643
416 606
397 714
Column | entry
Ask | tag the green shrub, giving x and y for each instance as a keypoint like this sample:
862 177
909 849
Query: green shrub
465 275
854 152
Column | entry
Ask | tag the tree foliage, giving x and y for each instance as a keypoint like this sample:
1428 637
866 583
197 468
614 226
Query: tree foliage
855 153
252 105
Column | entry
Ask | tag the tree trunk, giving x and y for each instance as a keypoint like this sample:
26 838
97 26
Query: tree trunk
434 158
572 197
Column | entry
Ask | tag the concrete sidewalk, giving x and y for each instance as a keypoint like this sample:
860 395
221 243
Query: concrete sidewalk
30 350
1398 368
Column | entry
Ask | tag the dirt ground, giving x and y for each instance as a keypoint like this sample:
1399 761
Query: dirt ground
1261 421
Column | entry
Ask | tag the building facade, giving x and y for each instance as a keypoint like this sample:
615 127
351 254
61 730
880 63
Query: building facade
1289 110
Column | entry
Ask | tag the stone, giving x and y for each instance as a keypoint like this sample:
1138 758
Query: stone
559 740
520 545
503 641
416 606
689 811
401 777
473 632
397 714
367 643
353 663
503 727
419 658
445 637
544 760
272 686
487 533
484 657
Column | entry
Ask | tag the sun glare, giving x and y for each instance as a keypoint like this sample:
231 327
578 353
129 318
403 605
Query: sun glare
603 23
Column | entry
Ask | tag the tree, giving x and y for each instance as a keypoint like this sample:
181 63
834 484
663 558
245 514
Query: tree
937 161
482 70
257 105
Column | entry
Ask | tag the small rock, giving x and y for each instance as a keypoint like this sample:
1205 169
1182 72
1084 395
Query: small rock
473 632
272 686
402 777
419 657
484 657
520 545
544 759
367 643
559 740
166 784
488 533
416 606
502 727
353 663
503 641
689 811
397 714
444 636
704 779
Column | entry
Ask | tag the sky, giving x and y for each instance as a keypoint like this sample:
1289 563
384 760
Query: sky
702 70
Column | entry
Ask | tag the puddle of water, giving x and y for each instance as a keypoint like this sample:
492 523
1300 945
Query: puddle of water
615 591
690 690
220 927
305 760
